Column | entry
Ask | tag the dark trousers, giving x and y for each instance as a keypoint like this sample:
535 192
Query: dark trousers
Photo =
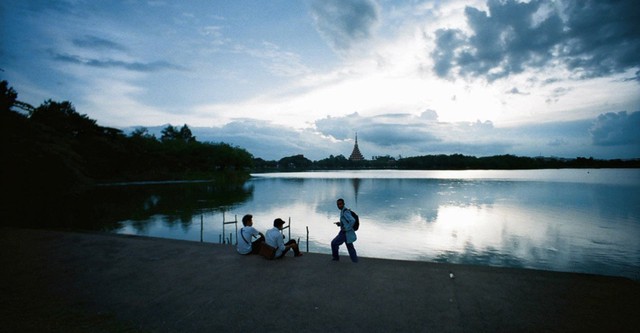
337 241
296 250
255 246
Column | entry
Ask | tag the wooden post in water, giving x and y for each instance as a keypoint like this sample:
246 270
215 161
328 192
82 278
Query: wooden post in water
307 239
225 222
287 227
201 227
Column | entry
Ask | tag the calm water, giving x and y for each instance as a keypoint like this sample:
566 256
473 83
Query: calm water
562 220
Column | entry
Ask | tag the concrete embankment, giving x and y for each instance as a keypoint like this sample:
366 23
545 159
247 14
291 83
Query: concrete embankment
87 282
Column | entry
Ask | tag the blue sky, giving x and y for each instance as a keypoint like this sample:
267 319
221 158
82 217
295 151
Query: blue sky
278 78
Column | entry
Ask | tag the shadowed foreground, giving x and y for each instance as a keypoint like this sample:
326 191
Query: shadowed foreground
80 282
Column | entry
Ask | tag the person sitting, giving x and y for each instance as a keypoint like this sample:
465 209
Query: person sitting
274 238
245 245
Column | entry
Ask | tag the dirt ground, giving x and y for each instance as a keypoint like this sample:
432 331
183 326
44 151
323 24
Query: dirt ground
89 282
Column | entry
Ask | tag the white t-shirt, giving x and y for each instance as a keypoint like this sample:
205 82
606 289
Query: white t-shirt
244 247
274 239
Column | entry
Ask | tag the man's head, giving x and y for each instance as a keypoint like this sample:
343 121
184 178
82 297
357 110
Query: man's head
247 220
278 223
340 203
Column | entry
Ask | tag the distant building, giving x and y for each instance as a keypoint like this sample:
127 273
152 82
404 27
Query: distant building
355 154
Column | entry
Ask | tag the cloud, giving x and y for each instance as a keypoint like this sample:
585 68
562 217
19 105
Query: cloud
611 129
270 141
515 91
111 63
557 142
278 62
344 23
429 115
603 37
97 43
409 134
611 135
589 38
447 43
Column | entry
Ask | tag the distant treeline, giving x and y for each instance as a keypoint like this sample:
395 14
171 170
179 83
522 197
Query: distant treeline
440 162
54 149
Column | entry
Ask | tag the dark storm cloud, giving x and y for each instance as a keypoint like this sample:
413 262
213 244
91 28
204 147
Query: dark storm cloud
342 23
590 38
447 43
603 36
611 129
110 63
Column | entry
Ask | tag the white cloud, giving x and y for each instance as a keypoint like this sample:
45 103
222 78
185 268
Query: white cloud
411 77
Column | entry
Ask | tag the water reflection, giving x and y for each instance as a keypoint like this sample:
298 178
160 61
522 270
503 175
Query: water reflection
591 226
142 206
564 220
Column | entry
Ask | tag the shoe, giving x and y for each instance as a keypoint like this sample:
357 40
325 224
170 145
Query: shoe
298 255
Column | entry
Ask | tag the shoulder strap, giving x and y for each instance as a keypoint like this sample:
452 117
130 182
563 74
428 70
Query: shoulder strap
242 234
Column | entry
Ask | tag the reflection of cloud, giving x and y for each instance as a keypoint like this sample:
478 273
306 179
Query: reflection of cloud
487 257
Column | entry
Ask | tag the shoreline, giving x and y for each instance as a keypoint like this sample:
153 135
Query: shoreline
82 281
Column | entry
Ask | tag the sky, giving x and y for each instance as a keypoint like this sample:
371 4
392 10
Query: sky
284 77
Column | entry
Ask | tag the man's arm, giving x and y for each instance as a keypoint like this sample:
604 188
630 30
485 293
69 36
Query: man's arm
280 242
348 221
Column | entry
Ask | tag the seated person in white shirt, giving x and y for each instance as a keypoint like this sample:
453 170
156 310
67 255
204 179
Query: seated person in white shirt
247 232
274 238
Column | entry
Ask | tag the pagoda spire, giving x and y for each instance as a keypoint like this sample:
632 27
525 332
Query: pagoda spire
355 154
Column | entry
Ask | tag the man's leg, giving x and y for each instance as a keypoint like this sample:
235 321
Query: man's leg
294 246
352 252
335 244
286 249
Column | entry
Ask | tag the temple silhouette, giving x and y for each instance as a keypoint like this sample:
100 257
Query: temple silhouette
355 154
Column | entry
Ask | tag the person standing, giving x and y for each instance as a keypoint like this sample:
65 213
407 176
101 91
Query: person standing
274 238
247 232
346 234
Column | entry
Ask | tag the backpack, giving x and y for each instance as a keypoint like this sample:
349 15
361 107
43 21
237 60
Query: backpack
356 225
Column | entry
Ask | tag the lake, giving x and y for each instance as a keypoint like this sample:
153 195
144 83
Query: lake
570 220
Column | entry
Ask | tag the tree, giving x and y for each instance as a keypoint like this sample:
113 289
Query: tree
8 96
185 134
295 162
171 133
62 117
